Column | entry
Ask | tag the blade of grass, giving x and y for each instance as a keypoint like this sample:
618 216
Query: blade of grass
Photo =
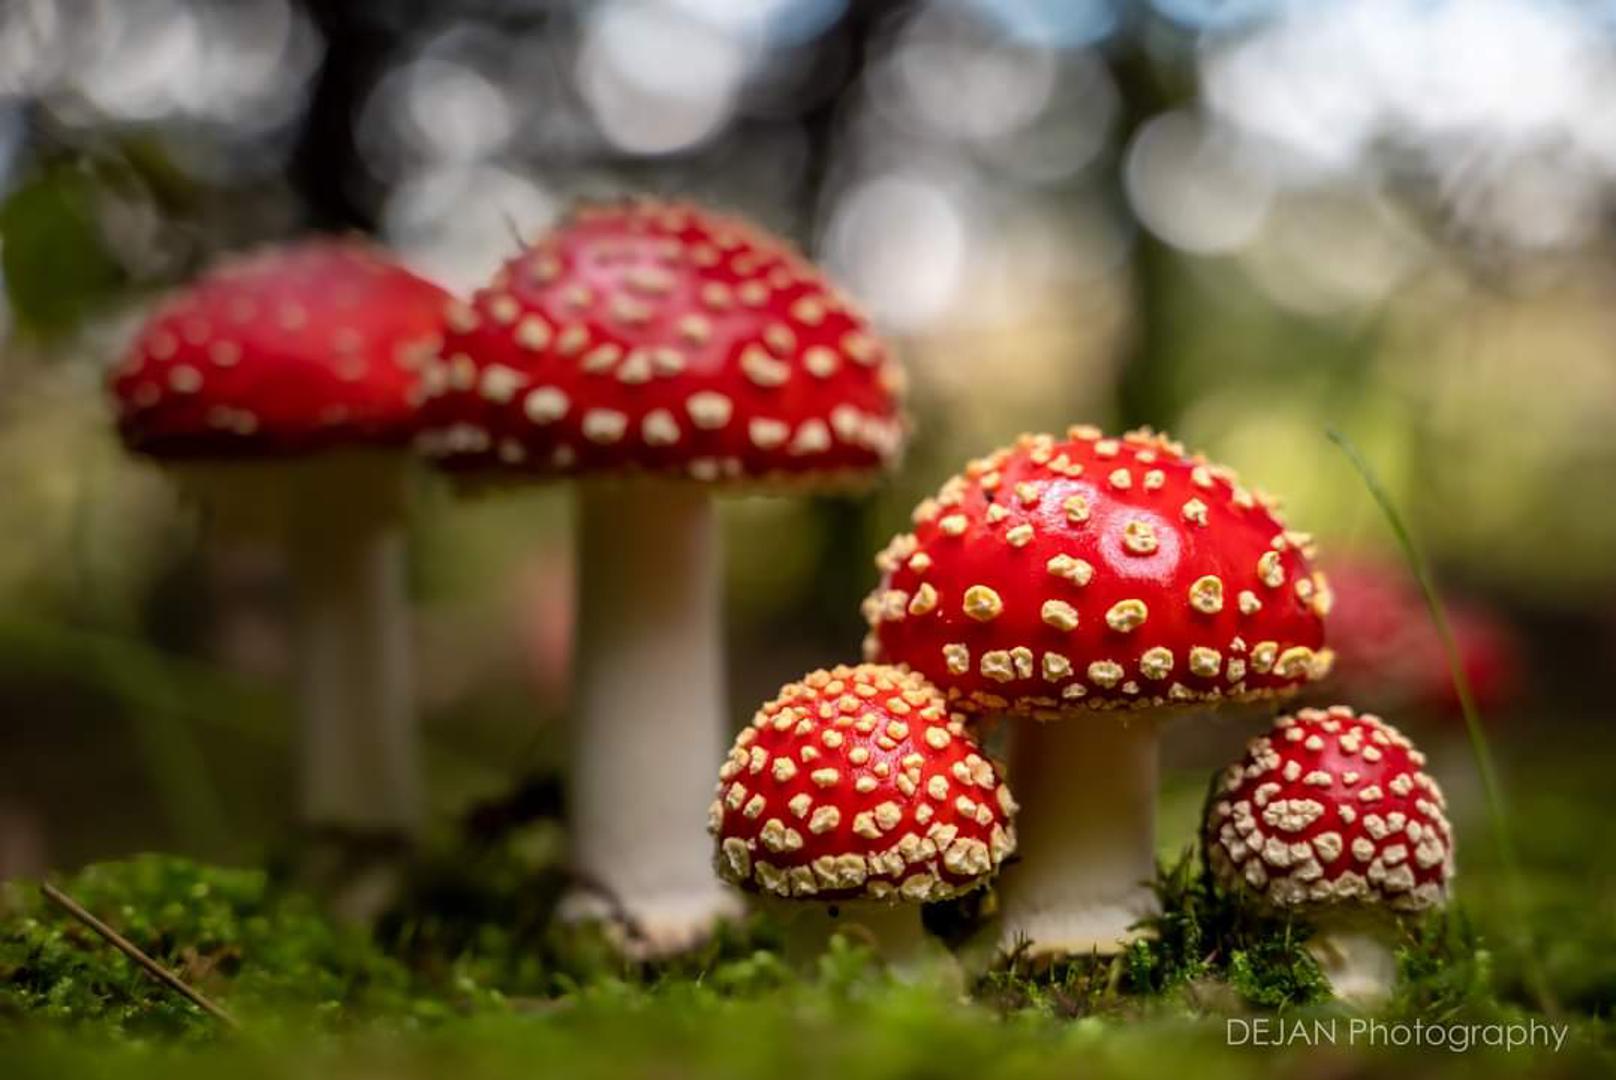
1480 749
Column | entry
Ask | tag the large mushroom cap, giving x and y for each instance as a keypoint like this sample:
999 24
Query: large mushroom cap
857 783
291 350
1331 808
650 336
1093 573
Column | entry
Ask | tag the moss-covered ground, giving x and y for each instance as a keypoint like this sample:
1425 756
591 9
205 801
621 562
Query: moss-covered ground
469 978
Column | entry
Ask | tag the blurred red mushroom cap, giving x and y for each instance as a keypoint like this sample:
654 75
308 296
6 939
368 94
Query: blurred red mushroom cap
289 350
1389 651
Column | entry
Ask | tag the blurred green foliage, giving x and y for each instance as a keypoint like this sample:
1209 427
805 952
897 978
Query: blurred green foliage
56 264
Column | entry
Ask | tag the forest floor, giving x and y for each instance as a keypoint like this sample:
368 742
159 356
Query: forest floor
469 978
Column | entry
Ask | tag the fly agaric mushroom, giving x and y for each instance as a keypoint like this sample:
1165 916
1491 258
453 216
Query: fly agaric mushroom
1389 650
280 391
858 788
1064 578
1329 816
658 352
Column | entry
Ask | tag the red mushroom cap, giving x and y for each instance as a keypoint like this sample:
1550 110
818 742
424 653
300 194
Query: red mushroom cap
858 783
1331 808
1388 650
291 350
661 337
1093 573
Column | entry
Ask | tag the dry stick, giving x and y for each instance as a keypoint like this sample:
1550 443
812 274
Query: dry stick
1480 751
129 949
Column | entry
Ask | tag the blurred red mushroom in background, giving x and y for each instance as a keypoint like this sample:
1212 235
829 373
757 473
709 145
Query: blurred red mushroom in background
543 617
279 391
1388 651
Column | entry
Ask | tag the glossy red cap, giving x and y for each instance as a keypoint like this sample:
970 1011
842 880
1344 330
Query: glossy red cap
1332 808
660 337
857 783
287 351
1094 573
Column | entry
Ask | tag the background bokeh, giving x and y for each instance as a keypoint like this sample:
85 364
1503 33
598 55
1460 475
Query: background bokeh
1243 221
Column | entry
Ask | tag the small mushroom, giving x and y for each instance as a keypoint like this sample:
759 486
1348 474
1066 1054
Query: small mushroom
279 390
1099 585
857 789
1330 816
659 353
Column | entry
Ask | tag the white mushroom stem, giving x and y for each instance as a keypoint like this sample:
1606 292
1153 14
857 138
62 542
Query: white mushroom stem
358 749
1359 962
894 932
1086 833
648 709
340 515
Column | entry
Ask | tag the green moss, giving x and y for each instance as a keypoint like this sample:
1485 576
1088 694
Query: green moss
470 972
262 951
484 915
478 930
467 977
1444 968
1274 973
1204 944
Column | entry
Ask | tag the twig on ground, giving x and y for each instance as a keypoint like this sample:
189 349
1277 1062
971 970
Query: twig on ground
133 952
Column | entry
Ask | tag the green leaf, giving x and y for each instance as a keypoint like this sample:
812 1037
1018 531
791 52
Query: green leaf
54 257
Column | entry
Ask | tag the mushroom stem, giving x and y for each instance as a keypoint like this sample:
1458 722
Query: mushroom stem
1087 788
894 932
1359 963
648 706
358 747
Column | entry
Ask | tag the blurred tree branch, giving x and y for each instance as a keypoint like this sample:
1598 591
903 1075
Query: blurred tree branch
1146 88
